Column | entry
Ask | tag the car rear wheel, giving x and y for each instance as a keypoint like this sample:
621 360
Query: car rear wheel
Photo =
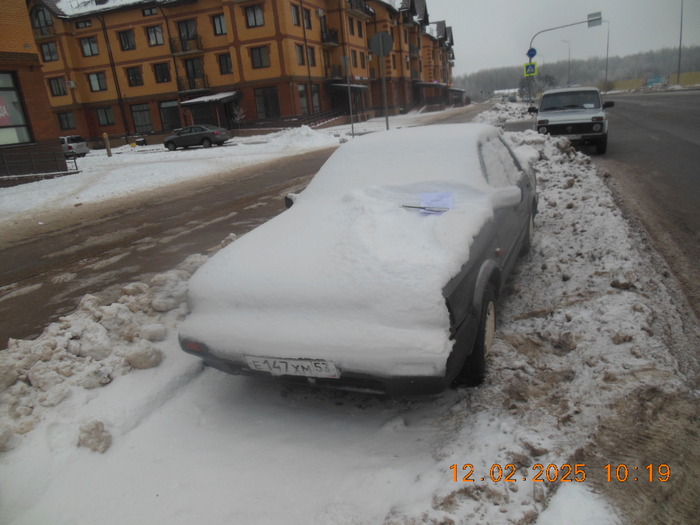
171 146
206 143
474 369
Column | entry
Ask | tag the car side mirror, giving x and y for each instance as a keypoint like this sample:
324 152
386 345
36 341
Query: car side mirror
506 197
532 109
608 104
289 200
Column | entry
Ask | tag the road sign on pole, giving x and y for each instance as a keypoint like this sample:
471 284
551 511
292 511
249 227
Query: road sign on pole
531 53
531 69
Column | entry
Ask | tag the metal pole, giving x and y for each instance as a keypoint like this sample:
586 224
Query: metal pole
607 55
680 46
382 67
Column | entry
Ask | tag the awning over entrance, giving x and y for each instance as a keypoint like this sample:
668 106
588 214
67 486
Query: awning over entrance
359 87
208 99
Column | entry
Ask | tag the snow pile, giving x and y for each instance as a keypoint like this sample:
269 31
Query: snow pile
503 112
87 349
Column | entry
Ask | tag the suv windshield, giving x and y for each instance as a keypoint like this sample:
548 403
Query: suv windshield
570 100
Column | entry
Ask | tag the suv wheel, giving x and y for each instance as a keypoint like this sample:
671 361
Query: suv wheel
602 145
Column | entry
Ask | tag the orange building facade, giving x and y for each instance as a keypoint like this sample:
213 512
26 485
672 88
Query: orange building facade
127 67
28 128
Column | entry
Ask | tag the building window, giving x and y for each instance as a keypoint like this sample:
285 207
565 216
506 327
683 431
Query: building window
316 97
225 64
360 31
393 61
303 98
351 25
219 22
82 24
362 60
260 57
66 120
254 16
135 76
295 15
97 81
105 116
307 18
149 11
127 40
89 46
155 35
42 21
267 103
49 52
354 58
13 121
170 115
57 86
162 72
300 54
141 113
311 54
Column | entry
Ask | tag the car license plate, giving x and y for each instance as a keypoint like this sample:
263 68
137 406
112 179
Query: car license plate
293 367
573 137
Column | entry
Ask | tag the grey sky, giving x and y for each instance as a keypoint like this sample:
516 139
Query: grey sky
496 33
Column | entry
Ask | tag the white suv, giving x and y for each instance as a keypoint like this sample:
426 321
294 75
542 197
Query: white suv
576 113
74 146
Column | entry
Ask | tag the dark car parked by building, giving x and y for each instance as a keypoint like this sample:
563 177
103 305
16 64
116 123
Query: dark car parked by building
197 135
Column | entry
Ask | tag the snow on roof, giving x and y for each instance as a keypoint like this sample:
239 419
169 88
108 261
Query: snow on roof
76 8
216 97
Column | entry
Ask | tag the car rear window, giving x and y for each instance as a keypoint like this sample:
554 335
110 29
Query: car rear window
75 138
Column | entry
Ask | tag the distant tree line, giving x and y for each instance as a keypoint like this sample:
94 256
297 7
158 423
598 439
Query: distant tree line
482 84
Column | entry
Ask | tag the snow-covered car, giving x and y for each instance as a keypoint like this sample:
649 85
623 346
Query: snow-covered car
197 135
383 276
576 113
74 146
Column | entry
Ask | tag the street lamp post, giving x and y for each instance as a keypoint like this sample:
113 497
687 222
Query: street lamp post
594 19
568 82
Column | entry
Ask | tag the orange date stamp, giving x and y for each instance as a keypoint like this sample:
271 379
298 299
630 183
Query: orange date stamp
563 473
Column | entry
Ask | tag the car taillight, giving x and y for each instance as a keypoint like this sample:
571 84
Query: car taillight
542 122
216 132
70 147
597 119
193 346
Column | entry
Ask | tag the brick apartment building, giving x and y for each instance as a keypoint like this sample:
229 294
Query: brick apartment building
29 130
126 67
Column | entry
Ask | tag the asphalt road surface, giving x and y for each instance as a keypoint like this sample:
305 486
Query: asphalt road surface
653 161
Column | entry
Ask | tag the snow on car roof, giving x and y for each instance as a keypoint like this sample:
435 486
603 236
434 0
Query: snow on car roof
404 156
347 273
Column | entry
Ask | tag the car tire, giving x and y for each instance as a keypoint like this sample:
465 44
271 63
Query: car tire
602 146
529 235
171 146
206 143
474 369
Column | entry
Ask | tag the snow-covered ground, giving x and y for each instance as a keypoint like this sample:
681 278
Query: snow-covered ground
104 420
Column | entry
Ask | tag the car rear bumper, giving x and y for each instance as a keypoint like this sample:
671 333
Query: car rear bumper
393 386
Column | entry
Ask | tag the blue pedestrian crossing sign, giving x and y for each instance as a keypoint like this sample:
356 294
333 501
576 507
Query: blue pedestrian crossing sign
531 69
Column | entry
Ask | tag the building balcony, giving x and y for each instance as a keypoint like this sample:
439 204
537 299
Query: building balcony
186 84
41 33
334 72
329 37
182 46
358 8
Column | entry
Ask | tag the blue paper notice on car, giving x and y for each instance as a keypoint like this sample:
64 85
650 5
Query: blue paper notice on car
436 202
